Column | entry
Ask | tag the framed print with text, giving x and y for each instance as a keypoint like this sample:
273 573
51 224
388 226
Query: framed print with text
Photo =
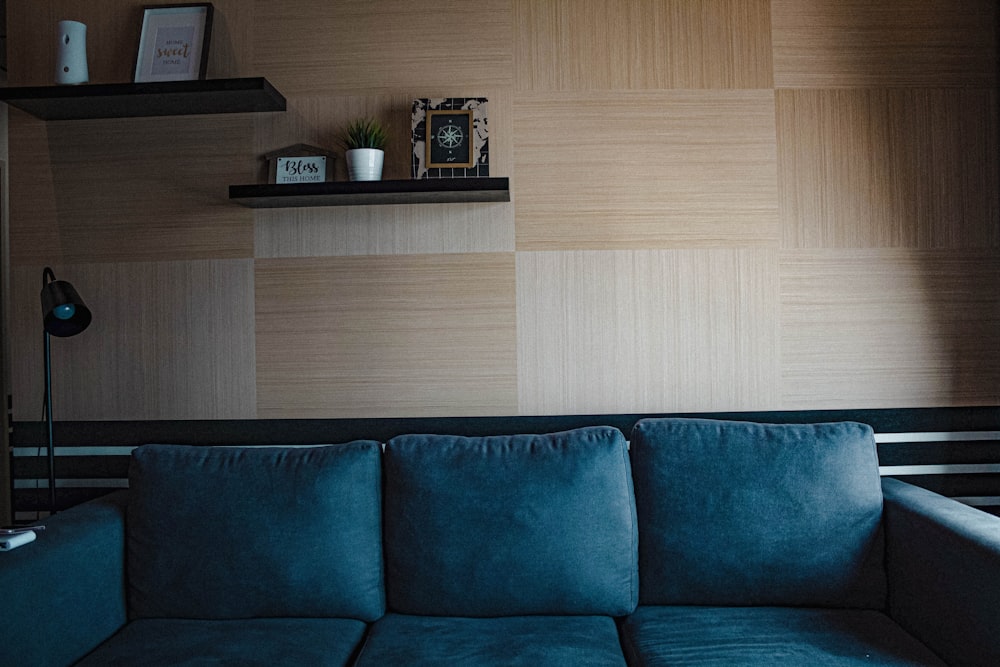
173 43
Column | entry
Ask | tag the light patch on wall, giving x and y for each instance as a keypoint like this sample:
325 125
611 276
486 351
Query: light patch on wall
647 331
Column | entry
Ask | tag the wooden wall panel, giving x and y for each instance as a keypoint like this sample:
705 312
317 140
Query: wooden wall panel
929 43
36 195
232 49
418 335
912 168
647 331
385 230
664 156
889 328
364 230
169 340
113 28
310 48
31 40
573 45
645 170
143 189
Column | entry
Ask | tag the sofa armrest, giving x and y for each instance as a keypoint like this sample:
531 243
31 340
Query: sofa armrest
64 593
943 562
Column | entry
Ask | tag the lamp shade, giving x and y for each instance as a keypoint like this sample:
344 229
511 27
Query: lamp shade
64 313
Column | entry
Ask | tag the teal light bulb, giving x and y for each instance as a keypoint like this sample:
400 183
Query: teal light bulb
64 312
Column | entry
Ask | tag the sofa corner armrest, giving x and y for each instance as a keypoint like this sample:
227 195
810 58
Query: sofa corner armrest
64 593
943 562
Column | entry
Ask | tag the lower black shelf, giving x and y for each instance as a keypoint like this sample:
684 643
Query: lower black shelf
364 193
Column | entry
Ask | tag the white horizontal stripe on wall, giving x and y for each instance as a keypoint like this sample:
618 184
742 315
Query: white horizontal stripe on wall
74 451
943 469
102 483
937 436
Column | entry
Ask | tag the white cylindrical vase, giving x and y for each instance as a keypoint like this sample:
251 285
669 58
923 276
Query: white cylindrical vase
365 164
71 53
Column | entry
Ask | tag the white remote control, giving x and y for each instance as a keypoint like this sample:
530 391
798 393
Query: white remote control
15 540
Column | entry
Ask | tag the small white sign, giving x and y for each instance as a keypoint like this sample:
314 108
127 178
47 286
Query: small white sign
311 169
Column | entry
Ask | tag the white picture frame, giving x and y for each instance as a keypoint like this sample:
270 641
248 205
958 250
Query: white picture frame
173 42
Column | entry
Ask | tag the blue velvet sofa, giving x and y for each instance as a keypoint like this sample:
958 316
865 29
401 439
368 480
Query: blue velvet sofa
694 542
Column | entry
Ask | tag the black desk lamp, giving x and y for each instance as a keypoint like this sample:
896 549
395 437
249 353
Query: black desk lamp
63 314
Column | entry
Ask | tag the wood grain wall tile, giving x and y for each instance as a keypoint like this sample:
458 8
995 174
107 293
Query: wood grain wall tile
889 328
232 51
647 331
31 24
169 340
385 230
32 202
888 168
573 45
100 191
645 170
309 48
418 335
835 43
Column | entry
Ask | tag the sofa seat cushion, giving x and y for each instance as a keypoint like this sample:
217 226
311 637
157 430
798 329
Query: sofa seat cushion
531 641
268 642
510 525
758 514
255 532
729 636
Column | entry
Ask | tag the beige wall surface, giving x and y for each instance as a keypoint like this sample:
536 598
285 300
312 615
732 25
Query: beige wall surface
715 205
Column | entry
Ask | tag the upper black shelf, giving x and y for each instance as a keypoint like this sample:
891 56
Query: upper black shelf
126 100
361 193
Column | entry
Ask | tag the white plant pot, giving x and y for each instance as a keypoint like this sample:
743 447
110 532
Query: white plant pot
365 164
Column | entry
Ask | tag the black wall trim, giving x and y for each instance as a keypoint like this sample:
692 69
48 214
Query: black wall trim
92 456
313 431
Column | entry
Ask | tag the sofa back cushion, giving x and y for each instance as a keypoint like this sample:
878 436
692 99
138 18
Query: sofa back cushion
508 526
736 513
245 532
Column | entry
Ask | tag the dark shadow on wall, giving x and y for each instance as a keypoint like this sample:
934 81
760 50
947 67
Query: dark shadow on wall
942 185
970 320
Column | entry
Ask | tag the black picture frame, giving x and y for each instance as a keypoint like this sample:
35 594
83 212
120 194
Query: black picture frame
449 139
174 42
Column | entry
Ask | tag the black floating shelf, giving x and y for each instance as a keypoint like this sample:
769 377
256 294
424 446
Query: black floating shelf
127 100
361 193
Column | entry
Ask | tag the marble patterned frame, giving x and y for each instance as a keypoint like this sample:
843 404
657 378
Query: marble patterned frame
480 135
